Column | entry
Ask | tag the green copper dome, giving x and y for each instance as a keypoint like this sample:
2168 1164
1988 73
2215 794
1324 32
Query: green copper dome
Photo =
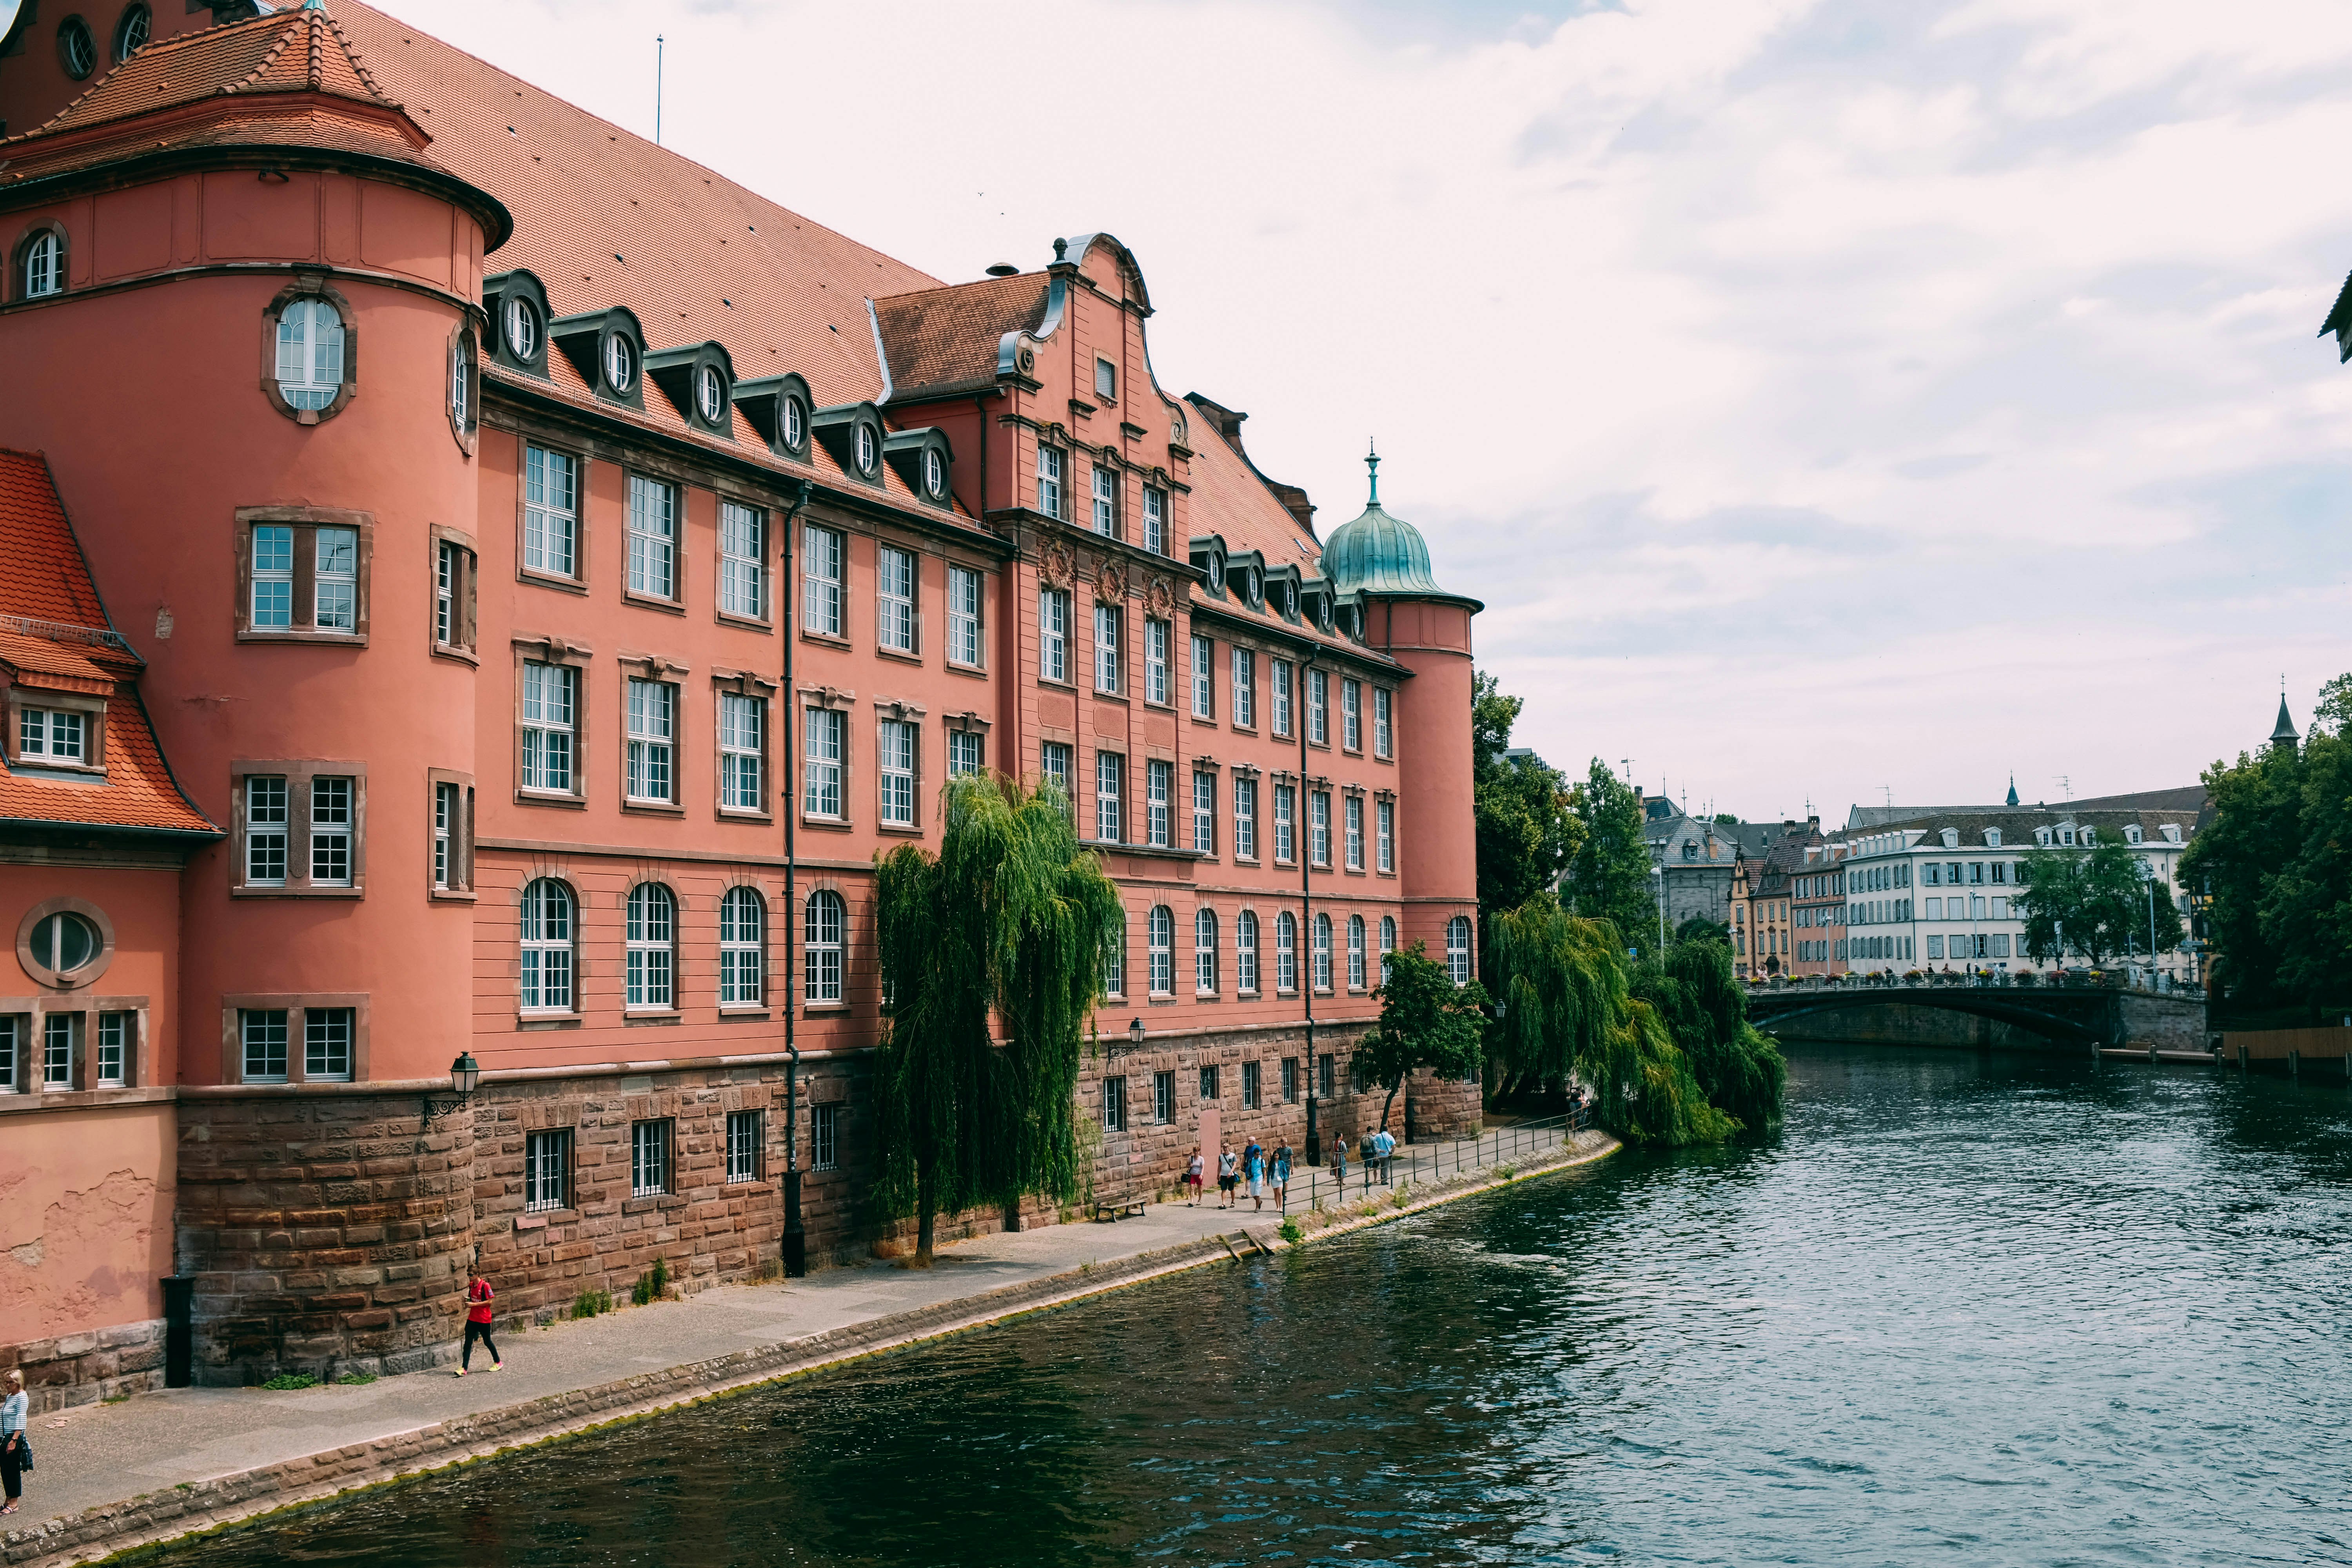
1378 554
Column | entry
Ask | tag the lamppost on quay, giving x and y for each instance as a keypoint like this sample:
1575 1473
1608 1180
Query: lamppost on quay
1303 949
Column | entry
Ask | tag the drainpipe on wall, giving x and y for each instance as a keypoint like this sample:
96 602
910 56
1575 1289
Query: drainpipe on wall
1304 951
795 1238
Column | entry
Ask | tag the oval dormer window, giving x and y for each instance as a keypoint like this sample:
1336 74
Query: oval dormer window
1323 613
709 393
1290 598
131 33
620 362
75 49
1254 586
522 328
935 473
866 445
795 423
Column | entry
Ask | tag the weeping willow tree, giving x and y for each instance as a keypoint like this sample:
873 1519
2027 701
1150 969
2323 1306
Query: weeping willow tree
1010 920
1569 1007
1704 1009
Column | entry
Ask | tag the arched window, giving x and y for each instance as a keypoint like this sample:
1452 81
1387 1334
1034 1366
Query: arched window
653 947
1204 951
1322 952
547 928
709 393
44 267
1355 952
620 362
1245 952
1161 941
1457 950
742 948
1388 944
1286 951
522 327
131 33
309 352
820 947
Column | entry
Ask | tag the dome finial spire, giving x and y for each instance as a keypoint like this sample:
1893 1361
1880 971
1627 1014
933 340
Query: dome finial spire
1373 463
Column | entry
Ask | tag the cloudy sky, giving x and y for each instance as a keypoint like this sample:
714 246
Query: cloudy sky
1831 401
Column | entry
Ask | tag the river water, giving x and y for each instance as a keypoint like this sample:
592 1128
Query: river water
1963 1309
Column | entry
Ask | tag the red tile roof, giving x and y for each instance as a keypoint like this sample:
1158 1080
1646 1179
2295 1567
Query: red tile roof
943 340
54 634
290 51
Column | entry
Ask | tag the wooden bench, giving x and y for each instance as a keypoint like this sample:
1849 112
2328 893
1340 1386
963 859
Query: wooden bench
1109 1211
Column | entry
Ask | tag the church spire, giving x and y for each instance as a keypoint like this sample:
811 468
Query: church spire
2012 789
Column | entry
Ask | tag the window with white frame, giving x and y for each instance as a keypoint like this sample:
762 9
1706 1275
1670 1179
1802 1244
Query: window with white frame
1318 806
309 352
1049 481
1388 944
453 595
551 512
1205 702
1245 663
895 763
1384 736
821 939
649 1163
327 1036
268 821
742 948
280 557
742 560
1354 805
1160 942
652 947
1106 488
272 577
1322 952
117 1048
1204 951
1457 950
742 751
1164 1096
547 1170
653 741
61 1049
894 599
653 538
547 954
1384 825
1155 519
1159 785
45 274
12 1051
55 736
1355 952
824 755
1286 951
825 601
262 1034
1053 634
1110 811
1352 715
331 824
1106 661
1155 636
1318 716
1282 678
963 616
1053 767
1114 1103
746 1140
967 753
1204 812
336 586
1246 953
1286 805
825 1137
551 705
1246 819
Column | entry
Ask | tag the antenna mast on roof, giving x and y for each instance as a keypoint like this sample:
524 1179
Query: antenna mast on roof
657 87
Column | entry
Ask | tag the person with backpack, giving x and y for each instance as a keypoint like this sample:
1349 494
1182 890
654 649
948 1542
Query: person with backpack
478 1297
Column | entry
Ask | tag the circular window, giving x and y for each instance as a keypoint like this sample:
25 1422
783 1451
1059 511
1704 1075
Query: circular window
710 393
935 473
865 445
795 423
76 48
131 33
620 362
522 328
64 942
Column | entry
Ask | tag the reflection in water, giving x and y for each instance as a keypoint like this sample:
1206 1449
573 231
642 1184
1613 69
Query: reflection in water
1988 1309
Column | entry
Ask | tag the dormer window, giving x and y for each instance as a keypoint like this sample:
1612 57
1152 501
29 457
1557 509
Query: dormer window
2171 831
1951 837
795 423
869 450
45 266
2131 833
620 362
2042 838
1290 600
1992 838
2090 837
522 327
1253 587
310 353
51 735
935 474
710 393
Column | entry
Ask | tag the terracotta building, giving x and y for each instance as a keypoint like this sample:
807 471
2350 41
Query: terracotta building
531 580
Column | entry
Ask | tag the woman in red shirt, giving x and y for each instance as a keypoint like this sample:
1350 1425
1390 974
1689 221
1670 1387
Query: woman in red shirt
478 1295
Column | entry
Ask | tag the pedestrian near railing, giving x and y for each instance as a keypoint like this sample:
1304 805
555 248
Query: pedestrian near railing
1346 1179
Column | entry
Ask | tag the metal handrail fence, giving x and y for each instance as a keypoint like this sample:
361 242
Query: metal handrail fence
1310 1188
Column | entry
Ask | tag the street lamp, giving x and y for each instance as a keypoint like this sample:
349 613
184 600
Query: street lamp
464 1074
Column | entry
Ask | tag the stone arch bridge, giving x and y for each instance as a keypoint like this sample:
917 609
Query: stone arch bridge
2087 1018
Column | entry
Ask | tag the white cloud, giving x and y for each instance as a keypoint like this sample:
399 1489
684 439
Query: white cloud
1825 395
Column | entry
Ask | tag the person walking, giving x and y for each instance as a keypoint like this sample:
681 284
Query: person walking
1339 1163
1192 1180
478 1297
1228 1176
1254 1162
1281 1177
13 1451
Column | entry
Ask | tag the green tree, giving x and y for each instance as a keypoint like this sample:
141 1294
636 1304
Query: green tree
1608 876
2256 831
1012 920
1525 831
1699 928
1426 1021
2307 907
2096 904
1704 1009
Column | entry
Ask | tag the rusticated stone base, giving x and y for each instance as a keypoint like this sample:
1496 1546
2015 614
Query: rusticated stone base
80 1368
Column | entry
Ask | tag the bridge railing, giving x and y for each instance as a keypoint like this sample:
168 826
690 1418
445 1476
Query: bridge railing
2065 980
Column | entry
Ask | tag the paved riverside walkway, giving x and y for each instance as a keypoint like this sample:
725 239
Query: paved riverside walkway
185 1458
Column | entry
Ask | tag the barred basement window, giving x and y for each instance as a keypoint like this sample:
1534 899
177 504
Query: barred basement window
1290 1081
1164 1096
649 1158
1210 1085
547 1170
1326 1076
1250 1076
825 1137
742 948
746 1141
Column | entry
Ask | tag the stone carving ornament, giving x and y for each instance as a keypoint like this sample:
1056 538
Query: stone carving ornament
1057 563
1161 596
1110 584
